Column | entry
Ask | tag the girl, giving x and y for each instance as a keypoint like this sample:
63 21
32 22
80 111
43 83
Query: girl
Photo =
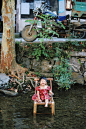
42 92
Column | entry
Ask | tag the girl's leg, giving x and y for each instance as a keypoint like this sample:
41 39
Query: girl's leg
38 100
46 102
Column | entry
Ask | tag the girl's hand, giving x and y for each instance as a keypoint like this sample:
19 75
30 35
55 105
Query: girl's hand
51 92
39 100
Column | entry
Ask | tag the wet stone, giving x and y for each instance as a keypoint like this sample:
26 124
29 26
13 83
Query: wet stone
85 65
4 79
85 76
77 78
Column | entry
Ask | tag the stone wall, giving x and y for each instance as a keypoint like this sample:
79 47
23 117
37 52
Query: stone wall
77 62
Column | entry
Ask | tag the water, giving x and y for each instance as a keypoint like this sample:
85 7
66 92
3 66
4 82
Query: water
70 111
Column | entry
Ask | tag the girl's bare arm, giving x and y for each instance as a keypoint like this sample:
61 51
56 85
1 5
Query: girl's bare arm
39 100
50 92
38 95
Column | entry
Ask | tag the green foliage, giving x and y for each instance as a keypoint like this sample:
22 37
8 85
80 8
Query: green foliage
37 74
36 50
27 72
42 51
18 42
62 70
47 30
71 45
79 62
48 27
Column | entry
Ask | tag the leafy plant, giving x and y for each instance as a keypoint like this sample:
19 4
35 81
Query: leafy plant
37 74
62 70
48 27
47 30
42 51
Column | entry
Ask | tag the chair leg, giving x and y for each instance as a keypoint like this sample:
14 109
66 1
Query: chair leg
35 108
50 105
53 108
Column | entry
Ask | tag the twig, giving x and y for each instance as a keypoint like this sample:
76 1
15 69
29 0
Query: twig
29 78
32 82
19 82
16 76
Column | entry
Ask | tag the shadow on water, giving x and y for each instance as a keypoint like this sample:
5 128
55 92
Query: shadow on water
70 111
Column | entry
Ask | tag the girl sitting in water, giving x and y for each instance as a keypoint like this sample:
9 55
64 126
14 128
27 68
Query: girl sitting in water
42 92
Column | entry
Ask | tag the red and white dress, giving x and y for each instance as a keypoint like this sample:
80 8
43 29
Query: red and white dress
42 92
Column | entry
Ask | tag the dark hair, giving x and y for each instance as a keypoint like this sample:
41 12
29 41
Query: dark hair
42 77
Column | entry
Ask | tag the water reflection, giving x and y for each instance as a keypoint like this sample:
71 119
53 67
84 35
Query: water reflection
19 123
70 111
1 121
45 121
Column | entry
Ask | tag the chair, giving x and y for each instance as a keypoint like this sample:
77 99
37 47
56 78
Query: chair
51 102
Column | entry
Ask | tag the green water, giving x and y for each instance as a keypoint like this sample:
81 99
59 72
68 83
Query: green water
70 111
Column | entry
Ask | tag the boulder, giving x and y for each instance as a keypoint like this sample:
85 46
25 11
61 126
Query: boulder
85 65
26 62
46 67
57 61
77 78
47 74
36 65
75 64
82 60
9 93
85 76
4 79
78 54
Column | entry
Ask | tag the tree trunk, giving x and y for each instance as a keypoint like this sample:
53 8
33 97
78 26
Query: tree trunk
8 39
8 61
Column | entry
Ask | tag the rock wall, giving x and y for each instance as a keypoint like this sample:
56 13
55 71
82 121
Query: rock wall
77 62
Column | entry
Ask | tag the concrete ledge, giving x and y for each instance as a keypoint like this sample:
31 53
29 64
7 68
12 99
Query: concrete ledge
80 54
53 40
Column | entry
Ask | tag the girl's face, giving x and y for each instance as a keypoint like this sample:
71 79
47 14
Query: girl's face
43 82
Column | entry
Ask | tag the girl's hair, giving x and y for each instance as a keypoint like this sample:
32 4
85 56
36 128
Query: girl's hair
42 77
